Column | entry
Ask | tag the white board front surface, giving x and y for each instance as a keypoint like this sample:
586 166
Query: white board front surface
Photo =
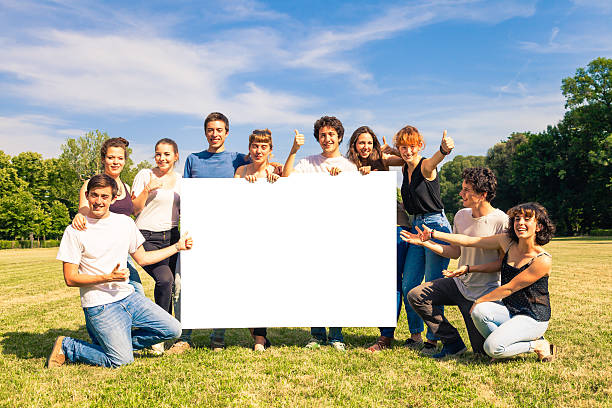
308 250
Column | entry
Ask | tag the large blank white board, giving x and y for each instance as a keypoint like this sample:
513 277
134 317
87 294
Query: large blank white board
308 250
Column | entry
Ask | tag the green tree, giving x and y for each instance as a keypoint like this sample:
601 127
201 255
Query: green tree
20 215
30 168
59 220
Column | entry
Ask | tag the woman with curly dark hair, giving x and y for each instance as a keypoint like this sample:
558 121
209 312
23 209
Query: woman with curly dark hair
517 324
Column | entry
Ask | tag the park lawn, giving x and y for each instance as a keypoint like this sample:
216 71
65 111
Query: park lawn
37 306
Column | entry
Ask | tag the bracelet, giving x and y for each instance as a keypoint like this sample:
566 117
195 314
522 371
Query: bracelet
468 268
178 248
431 234
443 152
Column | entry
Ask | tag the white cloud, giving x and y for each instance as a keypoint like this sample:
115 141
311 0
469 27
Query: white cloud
599 5
39 133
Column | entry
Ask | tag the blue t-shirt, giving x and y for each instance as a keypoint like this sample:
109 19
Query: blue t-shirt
213 165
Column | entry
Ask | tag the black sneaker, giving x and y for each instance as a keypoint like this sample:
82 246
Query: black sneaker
429 348
452 349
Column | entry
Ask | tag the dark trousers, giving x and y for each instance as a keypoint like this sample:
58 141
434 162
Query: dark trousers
162 272
427 300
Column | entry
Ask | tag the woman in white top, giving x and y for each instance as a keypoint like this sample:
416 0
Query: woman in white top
156 198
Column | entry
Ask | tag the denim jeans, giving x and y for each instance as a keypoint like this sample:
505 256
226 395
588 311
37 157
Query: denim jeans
402 247
121 327
335 334
506 335
134 277
422 262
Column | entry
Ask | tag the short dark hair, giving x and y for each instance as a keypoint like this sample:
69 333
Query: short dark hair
482 180
352 154
330 121
114 142
101 181
547 228
217 116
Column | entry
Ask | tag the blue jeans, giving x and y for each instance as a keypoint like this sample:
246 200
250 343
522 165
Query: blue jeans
121 327
506 335
134 277
402 247
421 262
335 334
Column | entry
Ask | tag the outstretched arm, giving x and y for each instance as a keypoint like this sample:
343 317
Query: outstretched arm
298 141
150 257
491 242
429 165
490 267
538 269
447 251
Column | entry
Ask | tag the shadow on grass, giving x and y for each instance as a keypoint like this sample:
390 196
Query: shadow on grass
27 345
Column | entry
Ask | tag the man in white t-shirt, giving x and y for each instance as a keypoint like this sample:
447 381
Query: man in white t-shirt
479 219
94 260
328 131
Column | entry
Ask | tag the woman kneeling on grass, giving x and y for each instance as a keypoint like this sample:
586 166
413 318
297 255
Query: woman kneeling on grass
260 148
517 324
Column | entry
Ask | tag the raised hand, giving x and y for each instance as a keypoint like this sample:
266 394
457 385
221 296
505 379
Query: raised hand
385 148
365 170
186 242
334 171
298 141
119 275
447 144
154 183
79 222
457 272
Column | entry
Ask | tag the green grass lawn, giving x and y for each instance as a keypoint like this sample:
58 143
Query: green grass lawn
36 306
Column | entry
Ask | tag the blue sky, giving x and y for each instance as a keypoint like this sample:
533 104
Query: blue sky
153 69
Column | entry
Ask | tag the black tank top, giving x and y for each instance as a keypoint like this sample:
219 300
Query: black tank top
123 206
376 165
419 195
533 300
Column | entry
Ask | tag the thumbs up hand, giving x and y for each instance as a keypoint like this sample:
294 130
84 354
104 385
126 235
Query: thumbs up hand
447 144
186 242
385 148
298 141
118 275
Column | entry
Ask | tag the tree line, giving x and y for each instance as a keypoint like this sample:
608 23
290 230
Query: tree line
39 197
566 168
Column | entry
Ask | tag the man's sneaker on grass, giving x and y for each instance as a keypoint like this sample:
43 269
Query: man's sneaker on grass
179 347
338 345
57 356
413 344
157 349
451 350
429 349
313 344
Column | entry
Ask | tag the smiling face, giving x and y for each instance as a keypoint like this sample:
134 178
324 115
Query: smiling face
215 135
525 226
328 139
114 161
470 198
165 157
99 199
259 151
410 153
364 145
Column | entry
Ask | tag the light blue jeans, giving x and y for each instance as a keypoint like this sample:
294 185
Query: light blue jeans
335 334
121 327
423 263
506 335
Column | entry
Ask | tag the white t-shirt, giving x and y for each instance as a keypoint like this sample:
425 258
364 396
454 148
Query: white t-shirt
321 164
474 285
161 211
97 250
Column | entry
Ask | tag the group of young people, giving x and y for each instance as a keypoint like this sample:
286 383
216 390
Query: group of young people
502 318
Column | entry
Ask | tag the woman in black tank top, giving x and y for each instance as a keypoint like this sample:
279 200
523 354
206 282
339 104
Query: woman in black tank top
517 324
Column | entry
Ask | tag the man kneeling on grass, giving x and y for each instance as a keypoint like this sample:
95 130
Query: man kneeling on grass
94 260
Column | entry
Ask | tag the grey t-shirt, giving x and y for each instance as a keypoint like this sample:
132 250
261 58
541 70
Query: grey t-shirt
474 285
